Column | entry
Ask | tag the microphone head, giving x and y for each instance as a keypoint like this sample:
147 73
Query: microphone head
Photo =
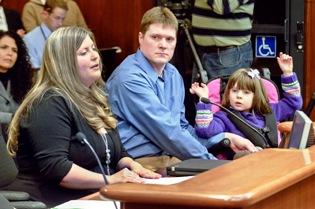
205 100
81 137
208 101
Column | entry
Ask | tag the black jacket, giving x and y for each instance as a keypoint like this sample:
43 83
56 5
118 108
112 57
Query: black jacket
13 19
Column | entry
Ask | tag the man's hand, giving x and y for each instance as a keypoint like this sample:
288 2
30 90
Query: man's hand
239 143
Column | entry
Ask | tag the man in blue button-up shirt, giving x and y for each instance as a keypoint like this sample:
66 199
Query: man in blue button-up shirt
147 96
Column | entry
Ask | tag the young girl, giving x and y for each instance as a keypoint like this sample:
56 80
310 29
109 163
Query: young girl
245 94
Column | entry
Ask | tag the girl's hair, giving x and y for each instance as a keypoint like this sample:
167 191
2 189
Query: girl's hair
244 81
21 74
59 74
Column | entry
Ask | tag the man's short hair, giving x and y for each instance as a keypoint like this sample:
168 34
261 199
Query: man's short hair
50 5
158 15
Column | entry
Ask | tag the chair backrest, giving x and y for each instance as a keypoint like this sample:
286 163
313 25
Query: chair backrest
8 173
8 169
108 56
217 86
216 89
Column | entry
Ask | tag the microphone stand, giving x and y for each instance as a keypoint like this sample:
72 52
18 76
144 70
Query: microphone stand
85 141
82 138
202 73
207 101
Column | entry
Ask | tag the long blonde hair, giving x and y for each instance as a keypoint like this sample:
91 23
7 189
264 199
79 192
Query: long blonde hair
59 74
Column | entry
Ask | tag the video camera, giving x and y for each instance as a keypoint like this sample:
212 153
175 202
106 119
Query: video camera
180 8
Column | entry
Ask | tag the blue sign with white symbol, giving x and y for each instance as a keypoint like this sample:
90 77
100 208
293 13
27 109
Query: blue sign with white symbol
266 46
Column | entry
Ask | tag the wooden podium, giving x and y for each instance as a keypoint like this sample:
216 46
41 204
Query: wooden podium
272 178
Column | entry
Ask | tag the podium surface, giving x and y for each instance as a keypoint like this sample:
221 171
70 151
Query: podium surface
272 178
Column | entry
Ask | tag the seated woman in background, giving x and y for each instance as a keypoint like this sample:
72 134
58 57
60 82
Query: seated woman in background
15 74
68 98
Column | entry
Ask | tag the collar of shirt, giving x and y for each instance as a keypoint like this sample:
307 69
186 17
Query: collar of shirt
147 67
45 30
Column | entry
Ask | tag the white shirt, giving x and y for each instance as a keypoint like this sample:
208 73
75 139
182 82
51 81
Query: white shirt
3 20
35 42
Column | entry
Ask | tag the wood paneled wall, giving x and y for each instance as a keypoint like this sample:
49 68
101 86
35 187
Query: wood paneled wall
309 60
114 22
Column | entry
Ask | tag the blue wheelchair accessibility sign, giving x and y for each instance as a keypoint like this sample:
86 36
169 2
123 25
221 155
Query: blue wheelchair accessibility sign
265 46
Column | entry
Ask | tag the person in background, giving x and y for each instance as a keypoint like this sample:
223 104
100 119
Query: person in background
10 20
31 14
67 99
15 74
146 93
74 16
53 14
222 32
245 94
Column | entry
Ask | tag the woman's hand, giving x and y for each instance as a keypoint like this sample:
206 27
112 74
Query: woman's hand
285 63
200 90
137 168
123 176
143 172
239 143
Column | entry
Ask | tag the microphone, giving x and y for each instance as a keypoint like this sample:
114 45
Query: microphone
82 139
261 142
207 101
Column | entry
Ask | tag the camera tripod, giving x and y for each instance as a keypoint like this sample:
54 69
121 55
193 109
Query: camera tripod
202 74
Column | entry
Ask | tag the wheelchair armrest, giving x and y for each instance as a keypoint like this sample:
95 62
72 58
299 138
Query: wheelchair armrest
5 204
15 195
21 200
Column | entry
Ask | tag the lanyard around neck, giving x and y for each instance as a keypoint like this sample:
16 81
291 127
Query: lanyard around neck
44 35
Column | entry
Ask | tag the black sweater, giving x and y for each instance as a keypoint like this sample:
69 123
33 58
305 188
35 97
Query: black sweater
47 149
